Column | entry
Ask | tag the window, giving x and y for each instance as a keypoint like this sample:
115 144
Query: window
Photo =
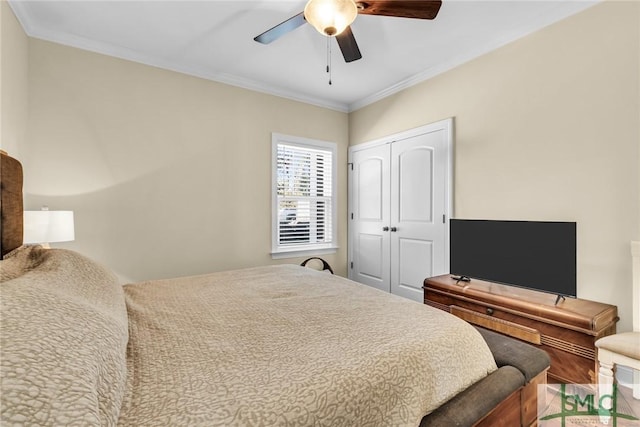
304 208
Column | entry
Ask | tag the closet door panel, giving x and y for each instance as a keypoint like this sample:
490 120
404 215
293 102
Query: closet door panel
415 198
370 257
417 208
370 210
413 252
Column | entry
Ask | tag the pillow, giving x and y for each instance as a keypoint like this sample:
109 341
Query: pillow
63 338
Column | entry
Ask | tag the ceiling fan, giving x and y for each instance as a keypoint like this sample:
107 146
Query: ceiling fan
333 18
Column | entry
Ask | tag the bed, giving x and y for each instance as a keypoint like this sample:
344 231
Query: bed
265 346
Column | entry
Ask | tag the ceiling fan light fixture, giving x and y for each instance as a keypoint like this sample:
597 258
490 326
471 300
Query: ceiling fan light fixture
330 17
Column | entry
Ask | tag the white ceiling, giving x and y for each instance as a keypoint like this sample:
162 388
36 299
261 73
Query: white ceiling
214 39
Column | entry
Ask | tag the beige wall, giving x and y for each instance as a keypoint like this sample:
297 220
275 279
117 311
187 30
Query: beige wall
547 128
13 81
168 174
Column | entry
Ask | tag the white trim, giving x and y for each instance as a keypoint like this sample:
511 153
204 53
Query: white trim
447 125
312 249
635 283
298 252
127 54
467 57
634 376
131 55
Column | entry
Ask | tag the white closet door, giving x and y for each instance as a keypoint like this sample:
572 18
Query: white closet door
370 200
399 204
418 208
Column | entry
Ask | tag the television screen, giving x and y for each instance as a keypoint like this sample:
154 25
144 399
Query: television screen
539 255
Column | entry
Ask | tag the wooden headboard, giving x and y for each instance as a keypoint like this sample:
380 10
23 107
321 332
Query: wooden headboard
11 207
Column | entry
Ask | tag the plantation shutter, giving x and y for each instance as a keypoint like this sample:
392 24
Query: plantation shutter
304 195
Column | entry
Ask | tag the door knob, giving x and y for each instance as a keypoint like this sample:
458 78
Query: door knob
394 229
385 228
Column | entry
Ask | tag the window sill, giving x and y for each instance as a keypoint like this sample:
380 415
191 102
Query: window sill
298 252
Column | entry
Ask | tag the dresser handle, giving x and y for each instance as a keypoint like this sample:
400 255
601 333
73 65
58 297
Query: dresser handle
490 311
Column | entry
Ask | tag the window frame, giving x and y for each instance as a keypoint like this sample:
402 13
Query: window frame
289 251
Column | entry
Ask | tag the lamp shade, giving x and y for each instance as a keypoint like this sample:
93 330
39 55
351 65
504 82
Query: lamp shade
330 17
48 226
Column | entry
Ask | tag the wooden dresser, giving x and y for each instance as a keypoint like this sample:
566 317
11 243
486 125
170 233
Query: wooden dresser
566 331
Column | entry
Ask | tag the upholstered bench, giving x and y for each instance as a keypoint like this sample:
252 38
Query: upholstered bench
521 367
618 349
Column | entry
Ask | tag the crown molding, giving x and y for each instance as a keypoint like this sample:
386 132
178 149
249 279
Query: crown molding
429 73
133 56
201 72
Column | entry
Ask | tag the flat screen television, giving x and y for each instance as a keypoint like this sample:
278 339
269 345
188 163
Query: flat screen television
539 255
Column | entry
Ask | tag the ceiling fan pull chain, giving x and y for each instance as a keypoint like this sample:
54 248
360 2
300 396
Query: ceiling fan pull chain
329 58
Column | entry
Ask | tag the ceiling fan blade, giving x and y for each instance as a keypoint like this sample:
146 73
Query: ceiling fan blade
420 9
348 45
281 29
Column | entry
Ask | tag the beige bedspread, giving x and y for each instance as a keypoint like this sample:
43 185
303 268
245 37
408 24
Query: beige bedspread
63 339
289 346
